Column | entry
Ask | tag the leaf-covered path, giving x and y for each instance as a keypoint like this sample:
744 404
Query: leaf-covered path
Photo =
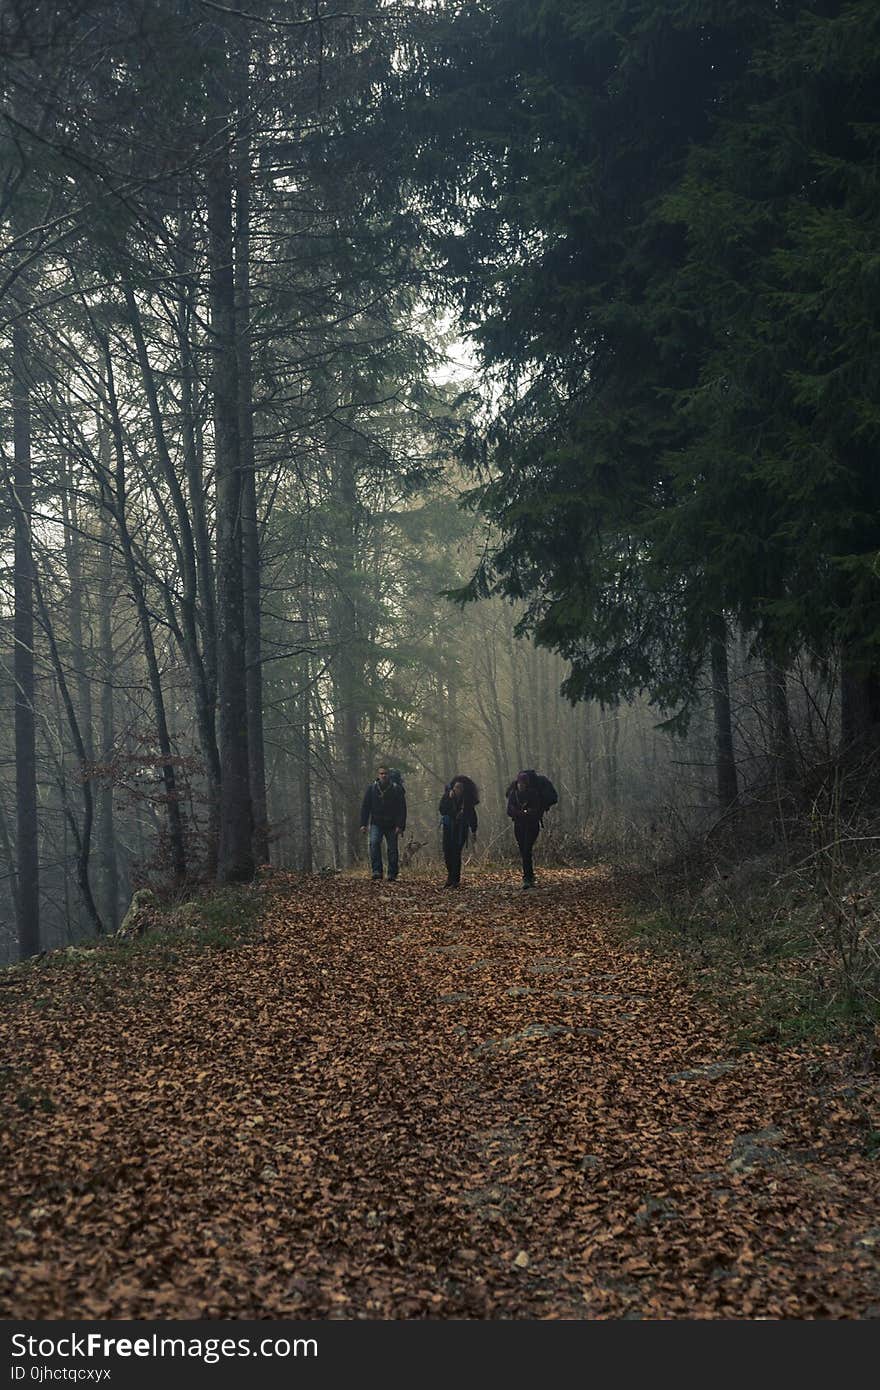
396 1102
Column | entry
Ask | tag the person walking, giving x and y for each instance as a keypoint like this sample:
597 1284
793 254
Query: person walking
383 812
458 816
528 797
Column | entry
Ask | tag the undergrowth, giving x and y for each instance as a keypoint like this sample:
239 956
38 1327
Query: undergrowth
777 912
219 920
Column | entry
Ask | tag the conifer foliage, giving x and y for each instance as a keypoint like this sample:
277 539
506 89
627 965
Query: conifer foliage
667 244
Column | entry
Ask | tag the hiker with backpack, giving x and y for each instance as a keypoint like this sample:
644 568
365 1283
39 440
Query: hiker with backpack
458 817
528 797
383 811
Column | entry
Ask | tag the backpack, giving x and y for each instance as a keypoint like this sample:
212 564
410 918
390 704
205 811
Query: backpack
548 793
395 777
545 788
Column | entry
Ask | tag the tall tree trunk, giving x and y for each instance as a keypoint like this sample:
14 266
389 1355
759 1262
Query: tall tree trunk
498 719
725 764
235 859
531 752
781 743
517 695
348 670
79 660
306 856
610 726
586 793
193 456
249 523
330 802
577 771
108 896
27 846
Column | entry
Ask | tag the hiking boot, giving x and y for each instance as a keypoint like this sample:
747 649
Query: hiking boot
450 884
528 883
376 878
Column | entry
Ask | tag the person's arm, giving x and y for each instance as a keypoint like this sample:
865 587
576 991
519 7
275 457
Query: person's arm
446 808
401 815
365 809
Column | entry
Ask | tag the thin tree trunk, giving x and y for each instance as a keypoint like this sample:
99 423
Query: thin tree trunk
109 872
781 743
586 741
249 525
305 750
348 672
235 859
498 719
517 694
531 752
73 558
610 726
27 842
331 783
725 764
193 455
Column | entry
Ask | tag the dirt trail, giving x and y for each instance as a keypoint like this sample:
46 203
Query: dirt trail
399 1102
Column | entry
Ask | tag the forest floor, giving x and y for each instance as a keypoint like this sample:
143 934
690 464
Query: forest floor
390 1101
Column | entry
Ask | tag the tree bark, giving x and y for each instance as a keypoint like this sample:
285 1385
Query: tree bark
73 559
725 764
235 858
193 465
249 523
306 856
516 698
348 671
27 840
109 872
781 743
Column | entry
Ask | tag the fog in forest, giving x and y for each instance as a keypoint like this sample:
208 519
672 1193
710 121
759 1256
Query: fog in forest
336 428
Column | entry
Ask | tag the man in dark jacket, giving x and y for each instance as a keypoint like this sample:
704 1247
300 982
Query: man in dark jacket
383 810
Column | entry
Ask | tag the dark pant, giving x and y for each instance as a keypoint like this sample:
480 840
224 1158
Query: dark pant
376 834
526 833
452 854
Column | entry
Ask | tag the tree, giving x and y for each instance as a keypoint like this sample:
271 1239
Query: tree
668 283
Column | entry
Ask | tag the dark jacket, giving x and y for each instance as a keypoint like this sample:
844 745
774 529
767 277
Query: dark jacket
527 808
385 808
459 817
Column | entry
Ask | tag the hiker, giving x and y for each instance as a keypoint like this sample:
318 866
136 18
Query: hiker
458 816
383 810
528 797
